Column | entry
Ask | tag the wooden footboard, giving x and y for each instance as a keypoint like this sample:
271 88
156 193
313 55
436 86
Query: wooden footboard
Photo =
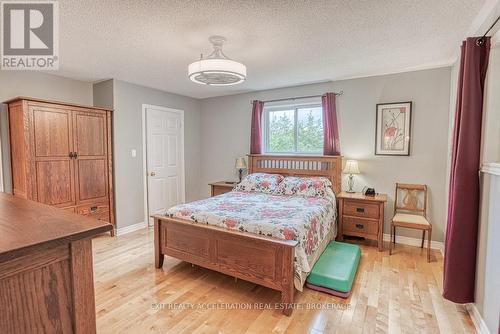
229 252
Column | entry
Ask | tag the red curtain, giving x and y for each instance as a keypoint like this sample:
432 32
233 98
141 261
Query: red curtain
256 130
331 144
463 205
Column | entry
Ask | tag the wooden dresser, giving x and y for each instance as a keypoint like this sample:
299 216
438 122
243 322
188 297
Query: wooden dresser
362 216
61 155
46 277
221 187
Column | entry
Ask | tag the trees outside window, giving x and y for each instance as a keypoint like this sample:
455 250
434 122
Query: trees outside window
294 130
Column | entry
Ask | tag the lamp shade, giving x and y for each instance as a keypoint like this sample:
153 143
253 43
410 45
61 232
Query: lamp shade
240 163
351 167
217 69
217 72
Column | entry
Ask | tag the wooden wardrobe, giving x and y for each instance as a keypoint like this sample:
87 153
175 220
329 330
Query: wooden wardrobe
61 155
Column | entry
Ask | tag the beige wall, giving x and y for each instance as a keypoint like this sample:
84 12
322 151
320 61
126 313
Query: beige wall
491 118
488 263
40 85
225 130
487 290
103 94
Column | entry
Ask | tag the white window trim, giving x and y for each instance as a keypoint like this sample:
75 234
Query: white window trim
492 168
265 126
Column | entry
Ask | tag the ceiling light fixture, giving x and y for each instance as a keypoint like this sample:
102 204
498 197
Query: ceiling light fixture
217 69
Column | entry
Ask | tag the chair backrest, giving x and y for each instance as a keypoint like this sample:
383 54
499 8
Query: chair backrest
411 198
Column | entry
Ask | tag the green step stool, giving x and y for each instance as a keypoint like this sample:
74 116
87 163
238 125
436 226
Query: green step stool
335 269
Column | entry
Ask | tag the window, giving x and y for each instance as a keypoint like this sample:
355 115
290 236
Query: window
296 129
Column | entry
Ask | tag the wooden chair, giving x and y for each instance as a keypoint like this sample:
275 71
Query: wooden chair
408 213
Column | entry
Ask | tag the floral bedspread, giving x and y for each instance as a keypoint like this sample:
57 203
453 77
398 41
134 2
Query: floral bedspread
305 219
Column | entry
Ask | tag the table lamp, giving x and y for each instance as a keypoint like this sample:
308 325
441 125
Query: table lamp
351 168
240 165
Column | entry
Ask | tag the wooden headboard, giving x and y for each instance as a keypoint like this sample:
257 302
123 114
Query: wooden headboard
292 165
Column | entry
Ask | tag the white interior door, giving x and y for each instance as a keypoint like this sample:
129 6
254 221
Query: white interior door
164 158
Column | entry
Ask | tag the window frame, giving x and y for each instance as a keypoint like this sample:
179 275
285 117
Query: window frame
283 107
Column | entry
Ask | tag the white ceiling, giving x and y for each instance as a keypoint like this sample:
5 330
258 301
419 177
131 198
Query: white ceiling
283 43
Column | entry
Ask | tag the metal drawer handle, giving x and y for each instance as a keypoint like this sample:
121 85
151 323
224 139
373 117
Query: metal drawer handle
360 210
93 208
360 226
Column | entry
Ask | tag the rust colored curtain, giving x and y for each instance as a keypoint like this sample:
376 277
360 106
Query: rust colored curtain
331 143
463 205
256 130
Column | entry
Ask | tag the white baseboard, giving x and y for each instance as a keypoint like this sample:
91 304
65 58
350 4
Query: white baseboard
131 228
415 242
478 321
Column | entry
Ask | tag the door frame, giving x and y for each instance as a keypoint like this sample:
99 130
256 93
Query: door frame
145 155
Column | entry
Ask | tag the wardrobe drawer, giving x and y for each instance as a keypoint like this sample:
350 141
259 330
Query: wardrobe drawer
92 209
102 216
69 209
361 209
359 227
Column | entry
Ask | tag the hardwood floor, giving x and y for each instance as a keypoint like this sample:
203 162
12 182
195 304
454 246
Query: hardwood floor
397 294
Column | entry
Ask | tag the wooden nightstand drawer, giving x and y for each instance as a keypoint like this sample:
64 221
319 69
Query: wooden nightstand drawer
360 227
222 187
216 190
361 209
361 216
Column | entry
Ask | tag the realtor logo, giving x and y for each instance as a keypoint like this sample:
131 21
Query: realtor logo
30 35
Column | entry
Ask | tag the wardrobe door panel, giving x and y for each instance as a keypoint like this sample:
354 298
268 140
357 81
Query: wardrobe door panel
90 134
52 132
53 182
91 165
52 141
92 175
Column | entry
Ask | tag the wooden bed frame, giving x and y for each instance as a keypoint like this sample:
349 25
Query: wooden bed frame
233 252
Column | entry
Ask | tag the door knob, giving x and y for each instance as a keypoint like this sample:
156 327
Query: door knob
152 174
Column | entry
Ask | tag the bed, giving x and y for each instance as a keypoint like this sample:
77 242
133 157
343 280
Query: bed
224 233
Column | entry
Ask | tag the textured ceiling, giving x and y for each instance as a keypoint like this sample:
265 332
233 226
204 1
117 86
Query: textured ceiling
283 43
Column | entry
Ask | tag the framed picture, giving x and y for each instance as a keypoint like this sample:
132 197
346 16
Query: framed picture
392 130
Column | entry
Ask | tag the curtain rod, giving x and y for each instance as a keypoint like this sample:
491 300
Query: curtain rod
300 97
480 40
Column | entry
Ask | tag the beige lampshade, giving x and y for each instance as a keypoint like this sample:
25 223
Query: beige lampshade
351 167
240 163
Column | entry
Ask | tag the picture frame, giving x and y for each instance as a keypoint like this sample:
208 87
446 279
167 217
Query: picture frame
393 128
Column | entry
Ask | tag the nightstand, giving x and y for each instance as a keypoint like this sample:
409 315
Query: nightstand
362 216
221 187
